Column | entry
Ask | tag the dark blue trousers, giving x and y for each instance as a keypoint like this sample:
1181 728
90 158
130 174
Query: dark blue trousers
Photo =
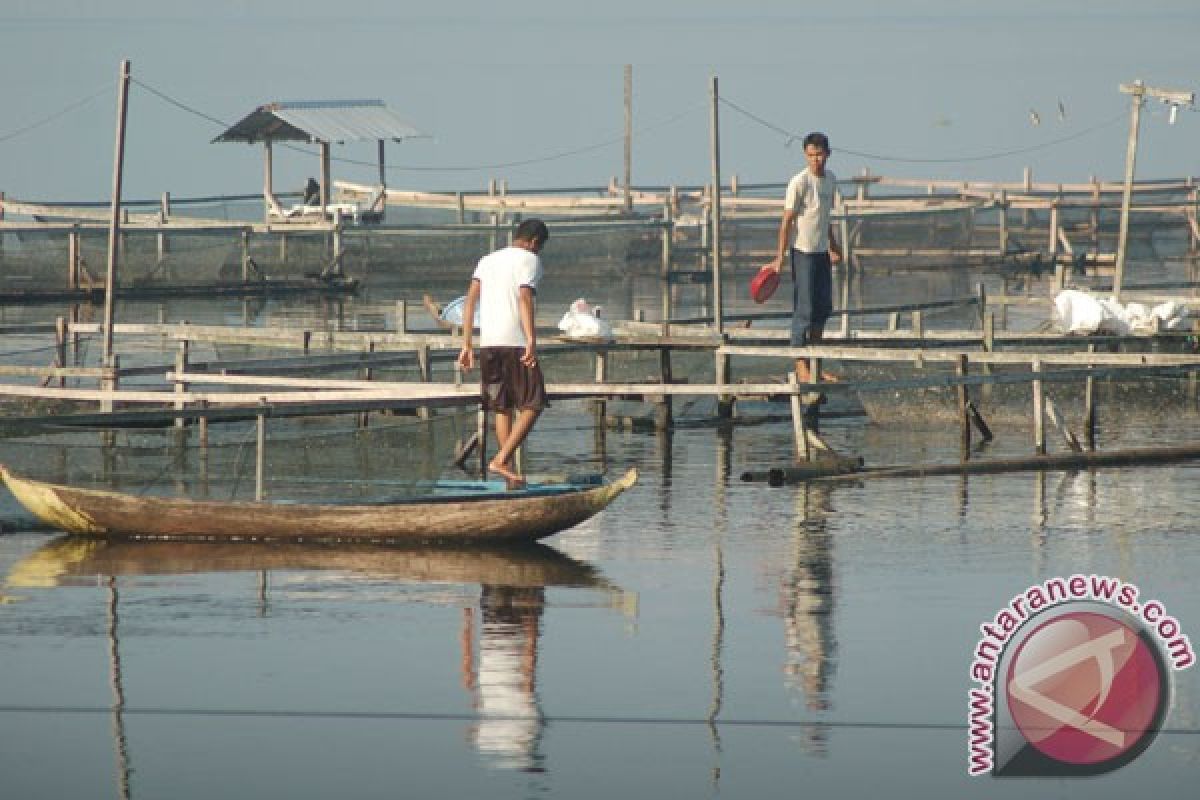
812 294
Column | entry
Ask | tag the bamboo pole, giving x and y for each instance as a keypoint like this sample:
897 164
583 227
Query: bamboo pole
1039 415
628 138
260 456
715 208
1135 118
798 427
114 225
181 387
1089 408
964 419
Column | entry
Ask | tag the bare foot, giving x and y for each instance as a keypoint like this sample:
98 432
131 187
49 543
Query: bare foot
511 479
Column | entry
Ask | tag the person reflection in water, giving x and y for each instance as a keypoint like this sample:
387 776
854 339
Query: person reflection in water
808 605
509 730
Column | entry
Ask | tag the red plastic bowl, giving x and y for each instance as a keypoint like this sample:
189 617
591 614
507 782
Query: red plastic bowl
764 285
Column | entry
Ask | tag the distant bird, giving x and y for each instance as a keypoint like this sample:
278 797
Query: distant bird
1034 119
1062 111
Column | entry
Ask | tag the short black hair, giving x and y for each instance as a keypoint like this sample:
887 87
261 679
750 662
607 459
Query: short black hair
532 230
817 140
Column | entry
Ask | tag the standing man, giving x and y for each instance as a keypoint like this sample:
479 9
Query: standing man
504 287
811 196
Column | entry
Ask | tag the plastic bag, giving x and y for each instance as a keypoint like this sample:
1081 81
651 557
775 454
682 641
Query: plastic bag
583 320
1080 312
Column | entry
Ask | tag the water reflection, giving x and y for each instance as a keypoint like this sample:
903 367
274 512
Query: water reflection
500 638
808 600
73 560
503 682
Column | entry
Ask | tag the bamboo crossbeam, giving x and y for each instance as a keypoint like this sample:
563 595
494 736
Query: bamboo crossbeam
910 355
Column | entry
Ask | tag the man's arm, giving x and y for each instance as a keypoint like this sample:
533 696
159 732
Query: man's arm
525 300
466 356
835 250
785 239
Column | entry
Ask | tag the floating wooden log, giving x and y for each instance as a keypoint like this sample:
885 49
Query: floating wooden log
1049 461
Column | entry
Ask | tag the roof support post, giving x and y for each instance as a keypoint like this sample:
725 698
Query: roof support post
324 179
382 199
270 203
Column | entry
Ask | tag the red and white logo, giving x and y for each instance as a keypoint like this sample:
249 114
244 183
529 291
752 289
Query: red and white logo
1085 688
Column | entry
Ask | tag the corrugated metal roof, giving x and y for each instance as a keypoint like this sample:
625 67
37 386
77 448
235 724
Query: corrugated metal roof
320 121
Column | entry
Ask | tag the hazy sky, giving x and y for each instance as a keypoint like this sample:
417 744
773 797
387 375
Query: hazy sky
899 83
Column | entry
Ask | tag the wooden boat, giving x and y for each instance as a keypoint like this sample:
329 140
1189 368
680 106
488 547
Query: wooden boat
470 513
79 560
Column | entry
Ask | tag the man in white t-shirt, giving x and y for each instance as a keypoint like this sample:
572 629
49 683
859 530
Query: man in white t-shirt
504 288
811 196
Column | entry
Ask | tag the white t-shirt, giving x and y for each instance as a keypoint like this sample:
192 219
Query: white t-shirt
812 199
501 275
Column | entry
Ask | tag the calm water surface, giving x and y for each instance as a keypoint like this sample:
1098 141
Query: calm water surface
702 637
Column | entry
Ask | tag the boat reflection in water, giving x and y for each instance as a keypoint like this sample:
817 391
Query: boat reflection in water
808 597
512 585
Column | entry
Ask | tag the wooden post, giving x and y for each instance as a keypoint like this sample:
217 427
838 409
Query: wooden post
283 247
664 412
382 183
599 406
724 401
181 387
964 419
204 432
989 346
402 317
245 255
461 203
715 134
845 270
628 138
1135 118
1039 412
337 242
110 380
60 347
164 216
260 457
481 435
1089 408
918 327
1003 206
668 232
1004 303
325 187
73 258
114 225
268 180
799 432
425 369
1193 214
1053 243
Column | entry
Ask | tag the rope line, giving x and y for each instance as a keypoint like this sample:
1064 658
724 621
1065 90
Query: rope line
61 112
792 136
430 716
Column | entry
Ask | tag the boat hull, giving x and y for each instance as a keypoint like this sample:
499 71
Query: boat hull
514 517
